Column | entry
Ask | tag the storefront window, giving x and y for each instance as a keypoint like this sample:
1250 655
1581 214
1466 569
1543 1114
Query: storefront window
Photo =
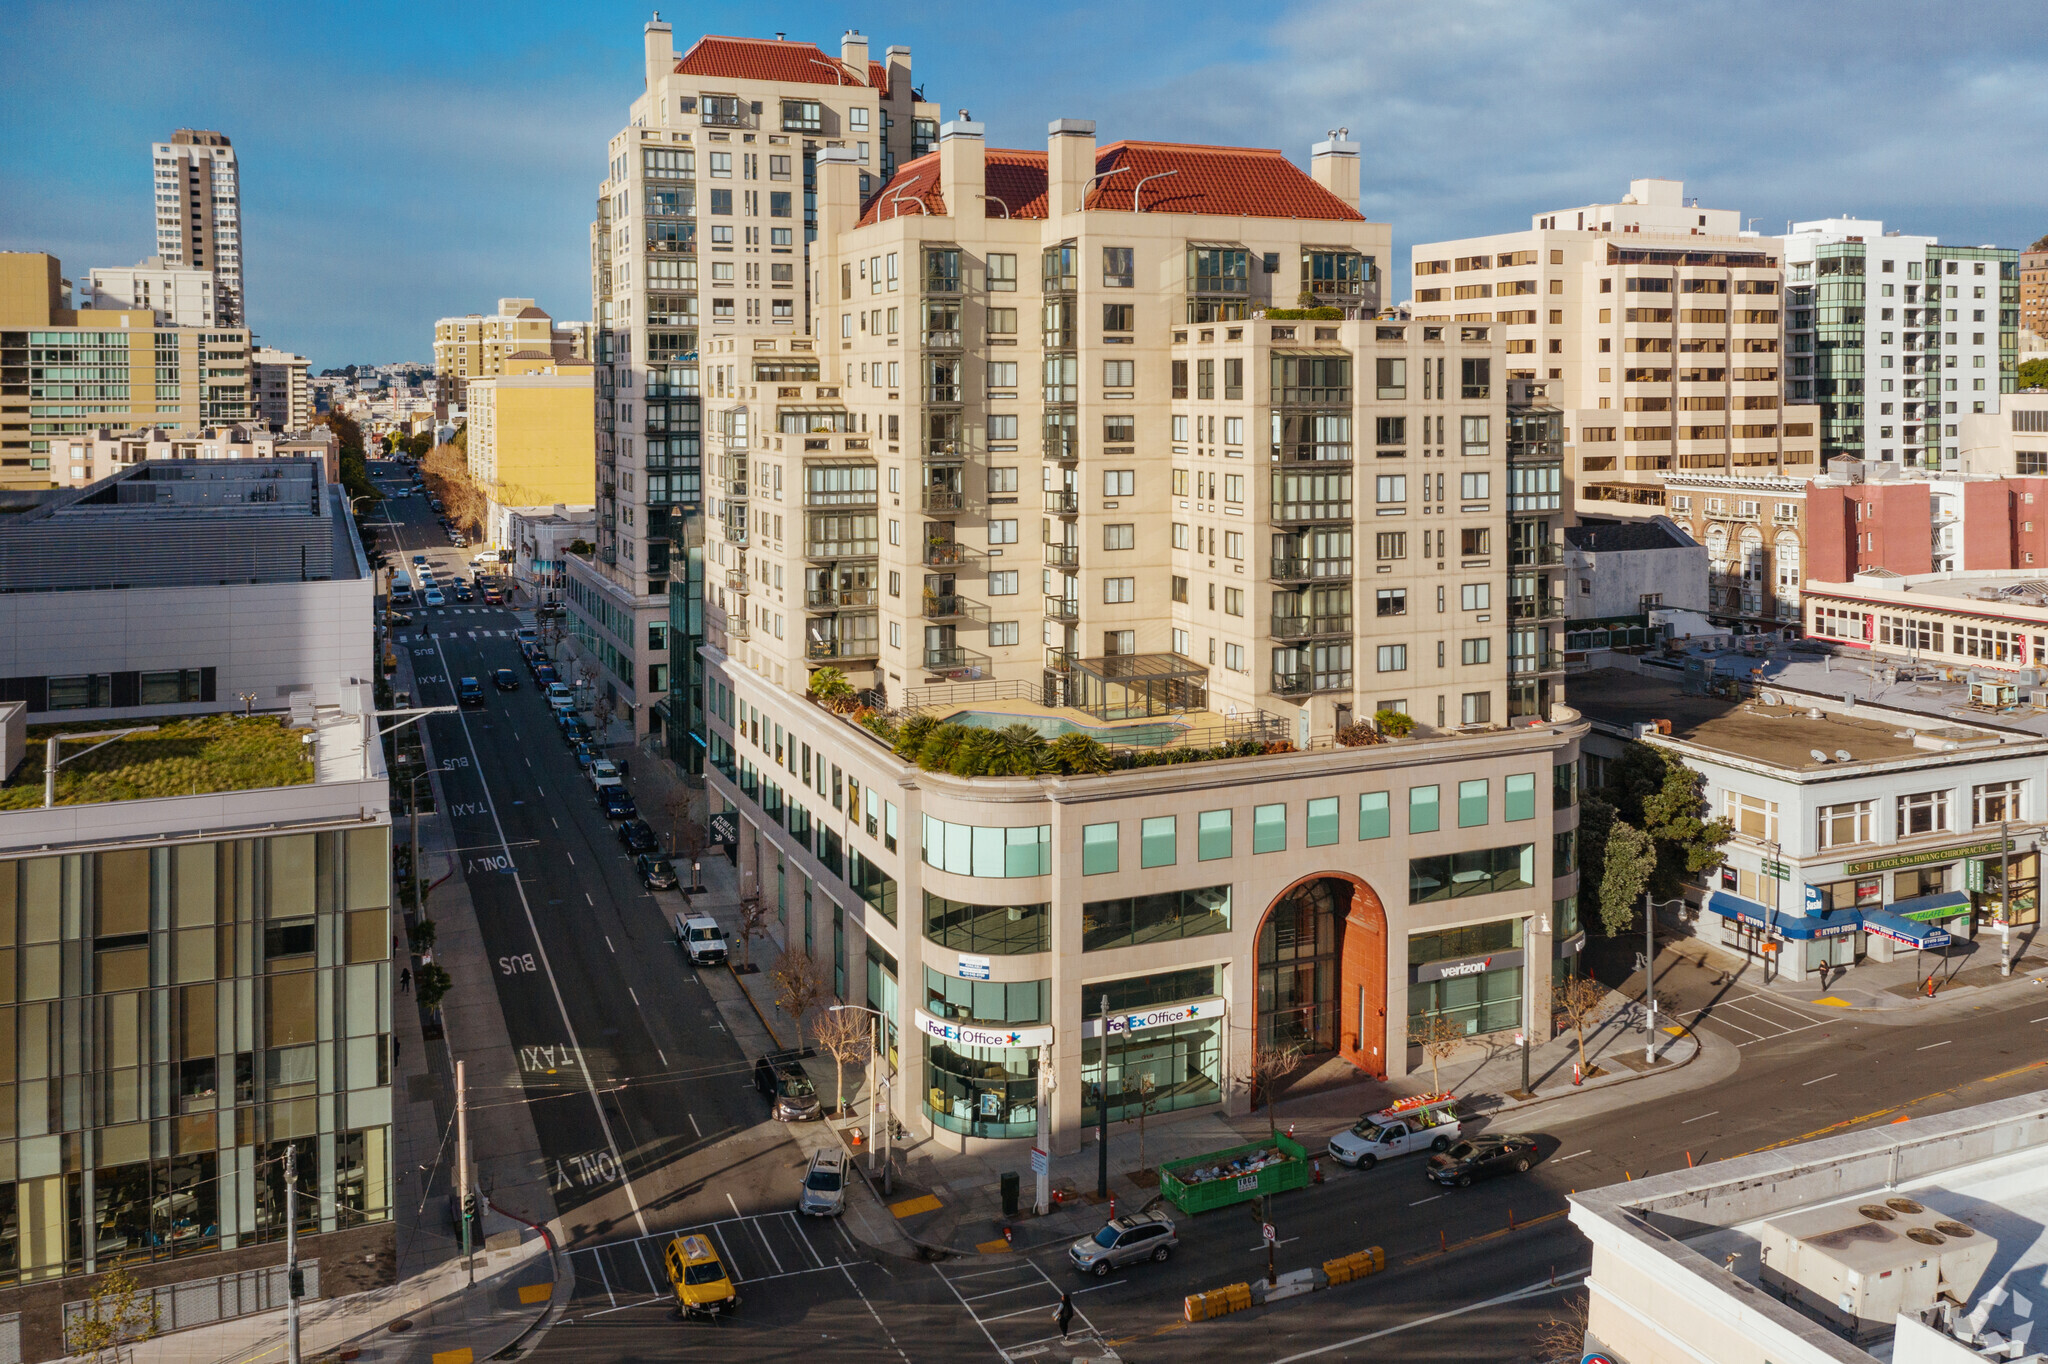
1474 940
1488 1002
1863 893
983 1091
2026 898
1910 885
1146 992
1154 1071
1000 930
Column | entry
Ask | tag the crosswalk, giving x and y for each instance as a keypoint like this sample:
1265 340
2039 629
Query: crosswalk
421 638
1013 1301
1746 1019
755 1250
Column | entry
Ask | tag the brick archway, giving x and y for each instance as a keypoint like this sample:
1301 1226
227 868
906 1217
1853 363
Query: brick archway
1361 972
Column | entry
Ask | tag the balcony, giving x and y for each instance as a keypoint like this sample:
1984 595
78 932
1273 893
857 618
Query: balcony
954 607
660 247
942 501
737 581
1535 556
1063 556
1065 609
1292 570
944 338
1531 665
1291 684
839 599
736 627
825 650
829 551
944 452
942 393
956 662
1535 608
1063 503
1309 627
1059 660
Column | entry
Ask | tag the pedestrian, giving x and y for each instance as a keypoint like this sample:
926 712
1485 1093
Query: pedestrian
405 980
1064 1317
625 768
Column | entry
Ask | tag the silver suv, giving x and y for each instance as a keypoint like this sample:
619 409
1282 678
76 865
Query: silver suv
824 1192
1123 1241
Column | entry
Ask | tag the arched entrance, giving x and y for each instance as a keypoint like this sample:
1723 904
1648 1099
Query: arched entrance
1323 970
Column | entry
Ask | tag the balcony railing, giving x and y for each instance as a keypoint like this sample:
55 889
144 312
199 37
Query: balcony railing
1535 608
1291 684
1308 627
942 501
1535 556
841 549
736 627
953 606
1065 609
953 661
1059 660
944 338
737 581
947 554
1292 570
839 598
1063 556
1544 661
944 452
942 393
816 649
1063 503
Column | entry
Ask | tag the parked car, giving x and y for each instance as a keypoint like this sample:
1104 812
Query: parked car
703 941
545 674
824 1191
697 1278
655 871
397 618
1482 1157
1430 1124
526 634
574 730
617 804
638 837
504 679
604 772
561 696
434 597
585 755
792 1096
469 694
419 558
1123 1241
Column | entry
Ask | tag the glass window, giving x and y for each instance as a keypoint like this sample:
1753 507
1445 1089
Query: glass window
1482 871
1269 828
1373 818
1322 821
1159 917
1098 849
1520 801
1212 835
1472 802
970 850
1157 838
999 930
1422 809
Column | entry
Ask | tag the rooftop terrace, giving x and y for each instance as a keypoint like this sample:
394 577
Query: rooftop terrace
187 756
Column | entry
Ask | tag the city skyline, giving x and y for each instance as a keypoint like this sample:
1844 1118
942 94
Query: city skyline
352 267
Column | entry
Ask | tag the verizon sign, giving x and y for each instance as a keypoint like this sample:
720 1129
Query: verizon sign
1456 968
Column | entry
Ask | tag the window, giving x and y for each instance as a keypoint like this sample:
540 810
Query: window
1843 825
1002 274
1212 835
976 850
1472 803
1478 383
1154 918
1923 813
1391 544
1233 601
1422 809
1477 431
1373 820
1003 427
1002 531
1122 536
1116 590
1002 321
1003 583
1473 487
1752 817
1119 317
1098 849
1393 378
1483 871
1117 267
1519 797
1393 658
1269 828
1475 596
1995 802
1001 374
1118 482
1390 488
1471 651
1156 842
1002 633
1391 601
1322 822
1119 373
1392 430
1476 708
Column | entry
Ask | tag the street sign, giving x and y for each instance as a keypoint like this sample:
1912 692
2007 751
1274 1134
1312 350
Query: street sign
1270 1237
1777 870
1973 875
1040 1161
725 829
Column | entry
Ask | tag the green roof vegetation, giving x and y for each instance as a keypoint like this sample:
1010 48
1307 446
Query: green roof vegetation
192 755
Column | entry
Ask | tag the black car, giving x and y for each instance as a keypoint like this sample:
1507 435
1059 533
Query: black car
1482 1158
638 837
462 592
504 679
655 872
469 693
780 1077
617 804
545 673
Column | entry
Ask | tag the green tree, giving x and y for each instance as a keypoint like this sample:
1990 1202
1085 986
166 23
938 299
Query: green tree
1630 857
2033 374
1596 819
1656 793
118 1311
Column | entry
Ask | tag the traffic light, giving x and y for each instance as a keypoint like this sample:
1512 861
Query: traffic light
298 1283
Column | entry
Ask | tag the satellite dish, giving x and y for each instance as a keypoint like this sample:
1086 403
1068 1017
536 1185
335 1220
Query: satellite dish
1842 755
1816 755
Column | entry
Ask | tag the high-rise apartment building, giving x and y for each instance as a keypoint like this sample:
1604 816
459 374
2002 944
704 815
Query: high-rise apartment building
179 296
477 345
703 221
1653 331
1895 337
199 214
282 398
76 372
2034 293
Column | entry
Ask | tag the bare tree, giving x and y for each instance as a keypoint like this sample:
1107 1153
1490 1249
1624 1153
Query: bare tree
1562 1338
1269 1062
1579 1000
844 1036
1148 1101
800 986
753 924
1438 1037
118 1312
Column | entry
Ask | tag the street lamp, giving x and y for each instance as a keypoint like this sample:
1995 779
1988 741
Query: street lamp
418 906
876 1119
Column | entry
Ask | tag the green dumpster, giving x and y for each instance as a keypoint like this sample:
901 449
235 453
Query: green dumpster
1236 1175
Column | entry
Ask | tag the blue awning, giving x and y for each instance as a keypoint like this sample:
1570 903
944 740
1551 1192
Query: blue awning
1911 932
1732 906
1783 923
1953 904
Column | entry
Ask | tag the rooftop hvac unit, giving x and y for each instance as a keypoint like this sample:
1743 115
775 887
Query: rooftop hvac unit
1858 1266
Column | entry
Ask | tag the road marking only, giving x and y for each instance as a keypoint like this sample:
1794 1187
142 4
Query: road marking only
1829 1076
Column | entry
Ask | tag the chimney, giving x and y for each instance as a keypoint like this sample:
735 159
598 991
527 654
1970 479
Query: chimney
1334 165
853 50
838 198
658 41
962 170
897 61
1069 163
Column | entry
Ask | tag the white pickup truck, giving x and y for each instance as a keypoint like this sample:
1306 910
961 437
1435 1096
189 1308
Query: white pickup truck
604 772
1426 1123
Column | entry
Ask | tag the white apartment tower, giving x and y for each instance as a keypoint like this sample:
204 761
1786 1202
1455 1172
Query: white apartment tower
703 222
199 214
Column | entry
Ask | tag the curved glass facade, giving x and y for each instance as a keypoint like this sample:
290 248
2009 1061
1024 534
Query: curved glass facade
976 850
983 1091
999 930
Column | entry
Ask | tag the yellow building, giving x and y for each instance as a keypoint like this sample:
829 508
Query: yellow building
73 372
478 345
531 441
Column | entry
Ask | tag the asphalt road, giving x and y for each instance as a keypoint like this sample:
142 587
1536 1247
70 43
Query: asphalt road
645 1110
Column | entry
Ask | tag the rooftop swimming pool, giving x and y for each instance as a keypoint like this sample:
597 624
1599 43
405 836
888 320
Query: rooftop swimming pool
1143 735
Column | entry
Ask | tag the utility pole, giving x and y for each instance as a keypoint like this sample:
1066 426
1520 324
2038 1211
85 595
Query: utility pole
2005 897
292 1279
1102 1112
1650 979
1041 1195
462 1164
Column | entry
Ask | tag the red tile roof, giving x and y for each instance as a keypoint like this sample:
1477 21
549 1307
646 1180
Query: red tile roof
1244 182
765 59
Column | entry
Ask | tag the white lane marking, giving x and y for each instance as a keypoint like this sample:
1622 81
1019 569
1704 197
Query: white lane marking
604 1279
1829 1076
572 860
1787 1033
1535 1290
773 1258
607 939
1710 1113
1932 1045
554 987
797 1230
1420 1201
691 1116
1576 1154
732 1266
734 1206
877 1315
2042 1019
1281 1242
636 998
556 822
664 1065
587 899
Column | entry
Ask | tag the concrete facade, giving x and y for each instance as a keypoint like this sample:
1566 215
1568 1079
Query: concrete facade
530 435
180 296
283 400
1627 570
198 201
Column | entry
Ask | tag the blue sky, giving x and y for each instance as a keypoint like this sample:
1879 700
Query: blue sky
402 162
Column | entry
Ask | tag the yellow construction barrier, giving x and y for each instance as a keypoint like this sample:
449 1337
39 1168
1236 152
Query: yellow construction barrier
1345 1268
1217 1302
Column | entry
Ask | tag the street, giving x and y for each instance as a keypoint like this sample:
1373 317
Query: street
650 1125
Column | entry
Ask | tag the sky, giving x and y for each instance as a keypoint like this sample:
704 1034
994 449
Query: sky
403 162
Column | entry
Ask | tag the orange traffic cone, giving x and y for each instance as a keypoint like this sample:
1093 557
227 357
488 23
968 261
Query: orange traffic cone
1317 1167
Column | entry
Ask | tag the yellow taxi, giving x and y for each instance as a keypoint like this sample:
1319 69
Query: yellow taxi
699 1280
